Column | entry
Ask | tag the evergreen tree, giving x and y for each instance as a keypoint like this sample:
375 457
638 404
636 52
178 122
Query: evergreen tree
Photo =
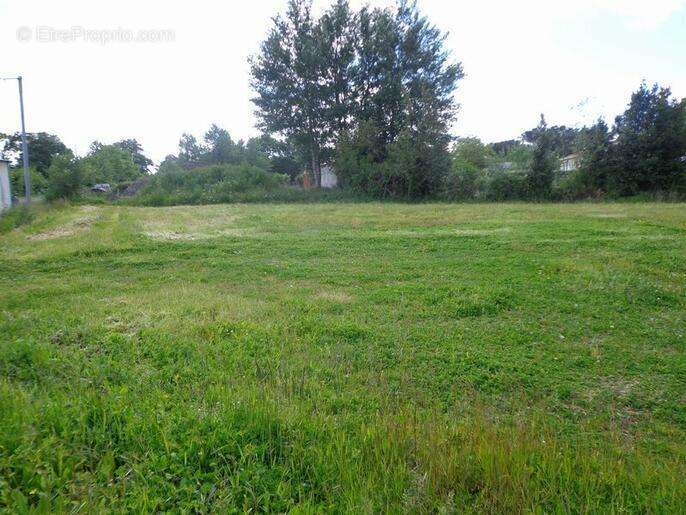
650 140
190 152
596 159
219 148
543 164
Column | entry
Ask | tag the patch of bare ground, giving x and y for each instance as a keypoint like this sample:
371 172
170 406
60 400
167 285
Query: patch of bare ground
335 296
69 229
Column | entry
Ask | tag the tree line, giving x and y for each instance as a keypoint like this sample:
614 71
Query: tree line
57 172
371 92
644 152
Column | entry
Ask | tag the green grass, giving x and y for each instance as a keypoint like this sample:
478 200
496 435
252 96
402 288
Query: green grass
346 358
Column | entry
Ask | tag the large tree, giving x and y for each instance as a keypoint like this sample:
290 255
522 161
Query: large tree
42 148
108 163
595 145
317 79
286 77
650 139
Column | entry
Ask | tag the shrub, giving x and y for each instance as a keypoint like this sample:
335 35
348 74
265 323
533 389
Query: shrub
212 184
462 183
575 185
505 185
38 182
413 166
65 178
110 164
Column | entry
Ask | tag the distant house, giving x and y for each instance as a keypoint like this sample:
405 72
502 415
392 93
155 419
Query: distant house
570 162
328 177
506 165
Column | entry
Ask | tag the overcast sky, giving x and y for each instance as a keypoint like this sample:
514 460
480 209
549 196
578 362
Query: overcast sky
573 61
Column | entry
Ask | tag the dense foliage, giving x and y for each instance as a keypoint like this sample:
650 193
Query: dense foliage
372 89
643 153
65 177
42 148
58 173
212 184
218 148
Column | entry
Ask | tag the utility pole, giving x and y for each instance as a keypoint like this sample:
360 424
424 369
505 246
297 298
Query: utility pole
24 144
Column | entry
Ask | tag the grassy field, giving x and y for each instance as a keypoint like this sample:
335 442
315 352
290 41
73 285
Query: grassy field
345 357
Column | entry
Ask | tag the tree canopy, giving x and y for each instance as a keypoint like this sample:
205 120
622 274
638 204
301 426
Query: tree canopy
375 70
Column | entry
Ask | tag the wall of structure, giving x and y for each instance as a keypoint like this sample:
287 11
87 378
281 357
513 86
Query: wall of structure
329 179
5 193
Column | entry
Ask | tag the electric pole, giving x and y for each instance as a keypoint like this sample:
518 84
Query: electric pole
24 144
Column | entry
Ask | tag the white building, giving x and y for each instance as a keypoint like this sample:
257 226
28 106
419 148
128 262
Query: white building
5 192
570 162
329 179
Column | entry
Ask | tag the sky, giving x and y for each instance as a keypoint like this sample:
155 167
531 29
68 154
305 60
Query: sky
108 70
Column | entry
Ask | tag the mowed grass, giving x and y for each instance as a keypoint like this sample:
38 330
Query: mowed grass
345 358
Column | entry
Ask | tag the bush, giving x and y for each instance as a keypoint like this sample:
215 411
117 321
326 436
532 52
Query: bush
212 184
65 178
463 182
411 167
505 185
38 183
576 185
109 164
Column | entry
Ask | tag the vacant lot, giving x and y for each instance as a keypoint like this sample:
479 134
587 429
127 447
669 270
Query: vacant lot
352 357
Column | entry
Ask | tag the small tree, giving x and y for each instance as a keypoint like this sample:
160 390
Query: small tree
136 150
543 164
65 178
109 163
596 158
220 148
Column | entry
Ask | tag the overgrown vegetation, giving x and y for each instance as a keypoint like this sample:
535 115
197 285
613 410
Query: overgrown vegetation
224 183
643 154
58 173
345 358
370 92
